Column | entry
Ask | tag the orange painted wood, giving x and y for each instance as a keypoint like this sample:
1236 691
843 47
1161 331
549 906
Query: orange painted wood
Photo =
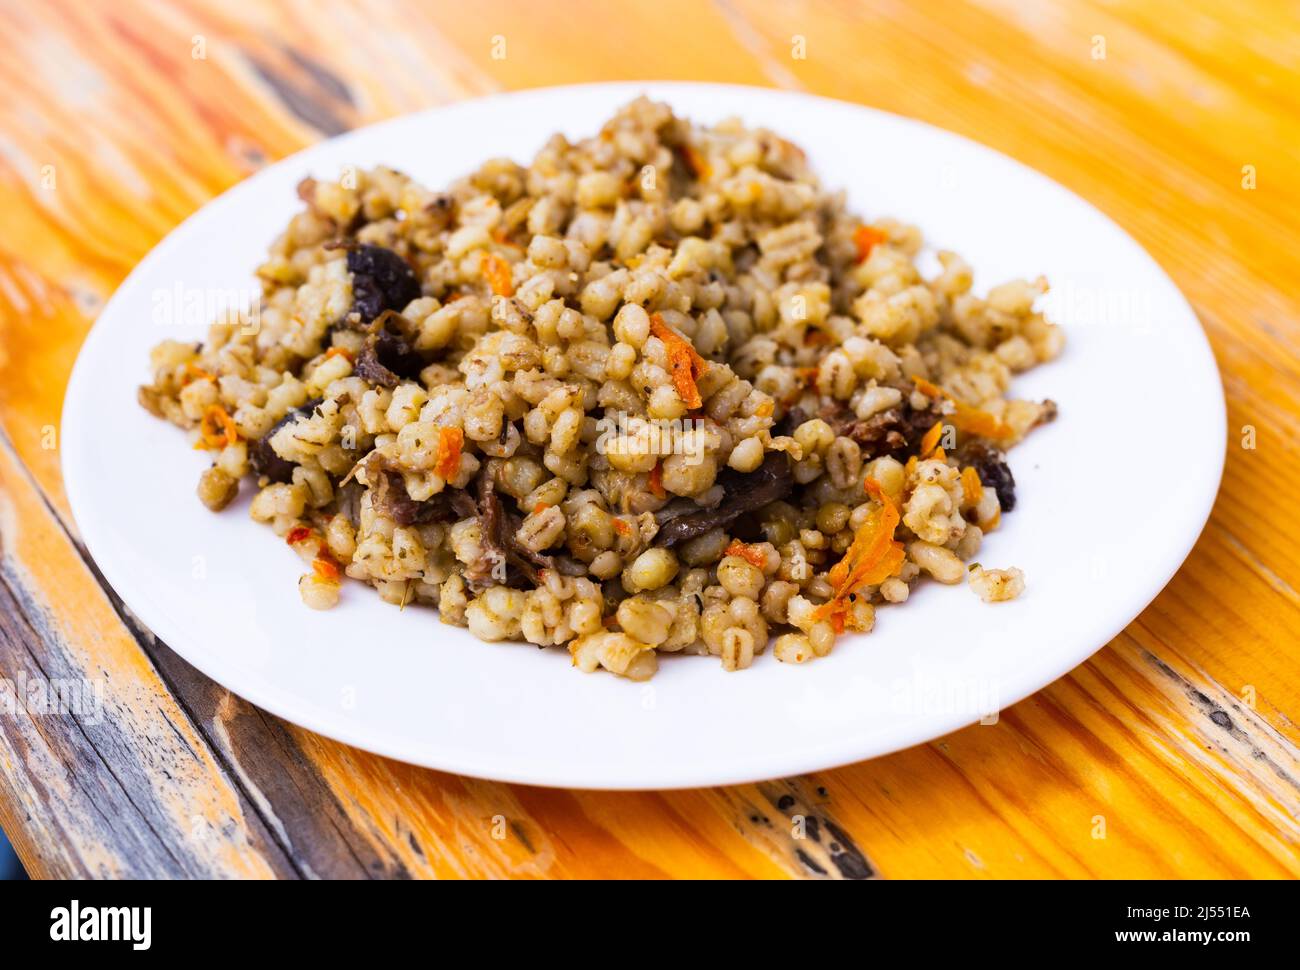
1172 752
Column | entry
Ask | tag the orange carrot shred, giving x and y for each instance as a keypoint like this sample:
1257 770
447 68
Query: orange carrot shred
687 365
697 163
502 236
971 484
193 372
866 239
339 352
325 568
657 480
622 528
539 508
749 553
871 558
297 534
216 429
876 491
498 274
931 439
929 389
964 417
447 460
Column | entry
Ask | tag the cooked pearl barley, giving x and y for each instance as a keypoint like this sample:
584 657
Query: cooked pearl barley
621 360
844 462
542 529
832 517
596 189
835 375
776 600
793 648
706 549
739 578
519 443
821 635
747 455
876 399
813 436
645 620
496 614
939 562
319 594
616 652
547 252
217 489
997 585
894 590
652 569
632 325
737 649
968 546
987 511
889 474
687 474
929 513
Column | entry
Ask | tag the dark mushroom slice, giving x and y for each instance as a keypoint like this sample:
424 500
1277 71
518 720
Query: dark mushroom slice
381 280
392 499
895 431
370 369
991 465
388 358
497 526
349 501
742 493
792 418
263 457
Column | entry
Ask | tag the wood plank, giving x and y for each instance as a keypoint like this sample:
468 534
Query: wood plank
261 754
118 781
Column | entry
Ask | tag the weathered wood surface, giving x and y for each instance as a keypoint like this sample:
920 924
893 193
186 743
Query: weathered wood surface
1173 752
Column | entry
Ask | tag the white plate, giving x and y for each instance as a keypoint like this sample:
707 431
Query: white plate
1111 496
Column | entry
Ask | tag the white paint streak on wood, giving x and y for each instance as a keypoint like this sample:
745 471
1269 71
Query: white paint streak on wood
1245 755
225 711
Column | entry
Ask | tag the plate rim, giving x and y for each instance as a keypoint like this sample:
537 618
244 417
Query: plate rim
806 759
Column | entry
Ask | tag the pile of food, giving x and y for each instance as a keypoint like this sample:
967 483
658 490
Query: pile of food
656 392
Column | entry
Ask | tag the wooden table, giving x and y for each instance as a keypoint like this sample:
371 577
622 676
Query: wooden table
1172 752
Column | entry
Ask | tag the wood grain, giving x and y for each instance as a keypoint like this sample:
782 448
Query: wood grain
1174 751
